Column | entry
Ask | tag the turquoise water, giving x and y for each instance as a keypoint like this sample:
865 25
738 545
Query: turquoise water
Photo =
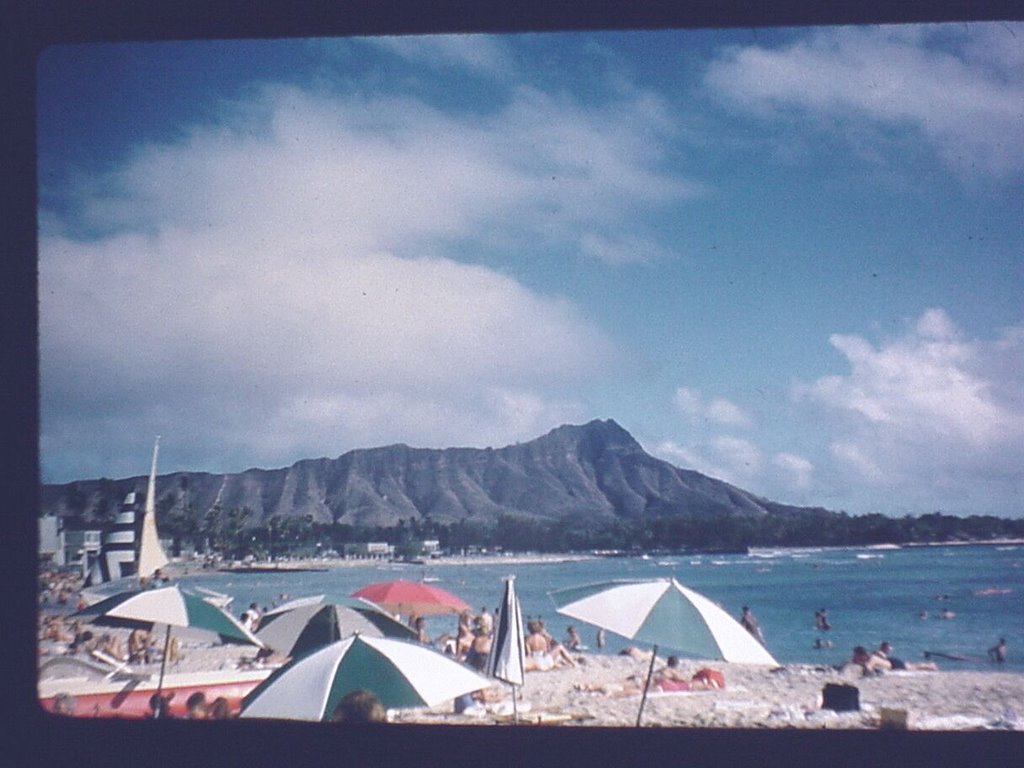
870 595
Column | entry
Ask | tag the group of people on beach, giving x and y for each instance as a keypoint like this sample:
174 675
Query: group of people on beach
58 588
65 636
475 634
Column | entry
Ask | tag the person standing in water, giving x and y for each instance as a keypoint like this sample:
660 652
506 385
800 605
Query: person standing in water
997 652
749 622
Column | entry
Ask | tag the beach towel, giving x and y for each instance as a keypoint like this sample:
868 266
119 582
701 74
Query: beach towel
709 677
671 686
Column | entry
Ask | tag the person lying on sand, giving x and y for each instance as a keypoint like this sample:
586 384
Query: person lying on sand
476 701
669 679
637 653
265 657
868 663
884 653
878 662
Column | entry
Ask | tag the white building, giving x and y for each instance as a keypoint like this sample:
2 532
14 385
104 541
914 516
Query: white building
80 545
51 540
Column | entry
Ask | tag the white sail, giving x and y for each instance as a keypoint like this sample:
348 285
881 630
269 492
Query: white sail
151 554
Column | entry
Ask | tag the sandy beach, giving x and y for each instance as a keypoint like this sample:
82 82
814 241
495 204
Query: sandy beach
754 697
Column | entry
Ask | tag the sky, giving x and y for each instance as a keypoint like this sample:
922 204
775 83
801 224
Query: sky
791 259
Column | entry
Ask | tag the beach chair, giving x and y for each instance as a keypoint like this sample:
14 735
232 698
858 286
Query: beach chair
119 667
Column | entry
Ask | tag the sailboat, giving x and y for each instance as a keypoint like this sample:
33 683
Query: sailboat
131 553
126 559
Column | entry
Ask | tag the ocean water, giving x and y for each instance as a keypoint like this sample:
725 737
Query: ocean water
870 595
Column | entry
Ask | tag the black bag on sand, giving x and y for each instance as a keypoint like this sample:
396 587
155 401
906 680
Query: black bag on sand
840 697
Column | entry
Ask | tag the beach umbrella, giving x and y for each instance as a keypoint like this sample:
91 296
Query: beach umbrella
294 631
507 659
663 612
171 607
412 598
399 673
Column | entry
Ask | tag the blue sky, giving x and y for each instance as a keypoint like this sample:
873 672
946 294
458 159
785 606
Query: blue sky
790 259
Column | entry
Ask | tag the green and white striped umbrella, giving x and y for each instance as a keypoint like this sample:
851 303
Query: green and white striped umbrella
147 609
170 607
664 613
400 674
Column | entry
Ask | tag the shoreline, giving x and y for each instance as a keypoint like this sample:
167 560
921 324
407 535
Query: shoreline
181 567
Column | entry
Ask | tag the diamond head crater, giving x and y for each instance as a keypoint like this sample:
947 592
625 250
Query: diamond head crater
579 487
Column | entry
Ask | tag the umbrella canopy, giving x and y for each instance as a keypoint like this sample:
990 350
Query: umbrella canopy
298 630
663 612
400 674
412 597
507 659
170 607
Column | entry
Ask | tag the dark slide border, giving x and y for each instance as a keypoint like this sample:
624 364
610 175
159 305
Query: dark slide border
28 26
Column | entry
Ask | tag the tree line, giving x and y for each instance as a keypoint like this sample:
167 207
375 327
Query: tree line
238 532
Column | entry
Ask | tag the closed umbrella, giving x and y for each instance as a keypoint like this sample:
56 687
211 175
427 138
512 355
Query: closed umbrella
412 598
663 612
171 607
507 659
297 630
400 674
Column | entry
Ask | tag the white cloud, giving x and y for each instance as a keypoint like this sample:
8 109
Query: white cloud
731 459
690 404
799 470
964 103
286 283
932 416
482 54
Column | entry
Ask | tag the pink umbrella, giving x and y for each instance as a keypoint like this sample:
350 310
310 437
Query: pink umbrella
412 597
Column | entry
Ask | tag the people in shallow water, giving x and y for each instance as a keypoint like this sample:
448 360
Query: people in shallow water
749 622
821 620
572 639
997 652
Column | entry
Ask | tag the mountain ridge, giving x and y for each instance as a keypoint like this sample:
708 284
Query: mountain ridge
582 474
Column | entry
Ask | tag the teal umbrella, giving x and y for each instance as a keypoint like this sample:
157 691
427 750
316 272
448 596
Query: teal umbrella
399 673
664 613
170 607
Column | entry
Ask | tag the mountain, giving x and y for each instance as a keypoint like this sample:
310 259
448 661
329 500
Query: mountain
590 473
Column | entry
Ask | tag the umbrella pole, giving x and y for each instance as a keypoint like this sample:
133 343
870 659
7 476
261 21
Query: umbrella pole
647 684
163 666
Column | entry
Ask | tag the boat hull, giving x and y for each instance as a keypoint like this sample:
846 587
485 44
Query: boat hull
129 698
